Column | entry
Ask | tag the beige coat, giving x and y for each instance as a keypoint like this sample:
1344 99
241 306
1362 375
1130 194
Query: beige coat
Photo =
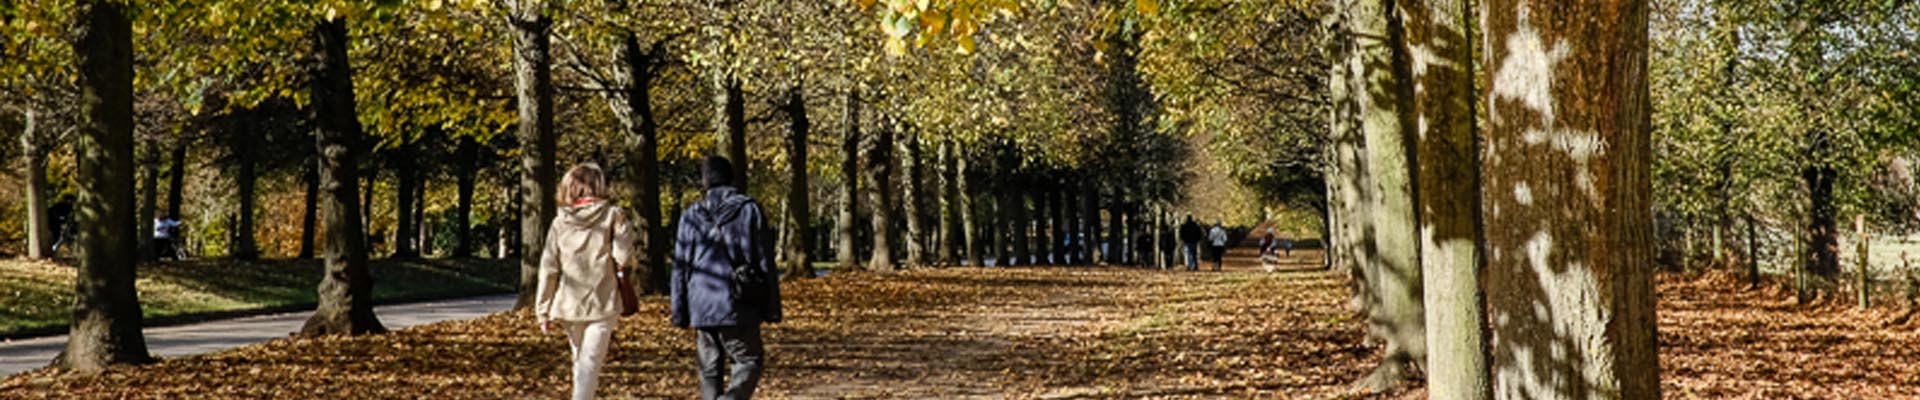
576 278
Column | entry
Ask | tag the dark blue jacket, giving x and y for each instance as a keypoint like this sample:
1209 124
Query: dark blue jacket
702 283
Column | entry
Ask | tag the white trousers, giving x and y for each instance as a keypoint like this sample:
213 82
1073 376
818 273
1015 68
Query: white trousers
589 341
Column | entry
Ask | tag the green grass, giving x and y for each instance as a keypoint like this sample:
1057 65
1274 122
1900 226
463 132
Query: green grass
38 296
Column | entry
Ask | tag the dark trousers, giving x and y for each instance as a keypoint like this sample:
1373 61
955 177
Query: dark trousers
1219 256
741 345
163 249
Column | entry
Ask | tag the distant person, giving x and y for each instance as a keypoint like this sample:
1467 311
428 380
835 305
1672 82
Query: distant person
60 217
724 283
1287 243
1190 237
1267 244
1218 238
165 229
586 245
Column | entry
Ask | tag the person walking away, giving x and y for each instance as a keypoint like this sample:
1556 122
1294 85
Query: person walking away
165 229
587 244
1266 249
1287 243
724 283
1190 238
1218 238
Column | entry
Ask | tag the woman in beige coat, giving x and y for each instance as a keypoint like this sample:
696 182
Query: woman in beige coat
586 246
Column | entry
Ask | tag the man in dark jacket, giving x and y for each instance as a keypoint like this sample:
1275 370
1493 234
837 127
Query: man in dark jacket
724 283
1190 238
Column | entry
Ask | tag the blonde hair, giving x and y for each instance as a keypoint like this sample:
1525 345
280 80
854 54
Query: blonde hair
582 181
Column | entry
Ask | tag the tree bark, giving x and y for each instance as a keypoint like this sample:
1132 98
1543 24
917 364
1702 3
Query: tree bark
244 179
1090 198
464 171
1449 193
40 235
635 110
730 124
106 310
880 178
911 168
1073 219
964 196
846 227
798 262
403 198
1566 178
948 237
346 290
309 223
1823 230
533 89
176 177
1384 98
149 198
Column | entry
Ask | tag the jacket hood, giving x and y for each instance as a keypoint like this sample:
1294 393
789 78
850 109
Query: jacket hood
585 215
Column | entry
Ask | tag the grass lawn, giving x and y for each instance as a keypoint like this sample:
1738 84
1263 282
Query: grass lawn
38 296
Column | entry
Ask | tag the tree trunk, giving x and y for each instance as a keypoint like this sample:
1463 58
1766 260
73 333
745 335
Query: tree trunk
1090 198
730 124
949 203
846 227
635 111
1116 227
1753 255
40 234
533 87
1385 103
1345 188
1448 190
346 290
969 221
310 221
106 310
880 178
1057 209
1823 260
1071 218
244 179
149 198
177 177
464 170
1566 178
911 166
798 262
403 199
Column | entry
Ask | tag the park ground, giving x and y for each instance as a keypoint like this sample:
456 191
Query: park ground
1057 333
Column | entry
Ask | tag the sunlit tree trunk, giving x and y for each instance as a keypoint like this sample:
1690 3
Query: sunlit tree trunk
533 90
798 263
846 228
948 188
106 310
39 233
1568 200
967 203
911 168
1449 192
346 290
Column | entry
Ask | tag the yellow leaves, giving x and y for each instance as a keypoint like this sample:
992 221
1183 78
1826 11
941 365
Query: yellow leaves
1147 7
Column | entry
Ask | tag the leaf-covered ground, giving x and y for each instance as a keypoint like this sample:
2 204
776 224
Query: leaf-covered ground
1029 333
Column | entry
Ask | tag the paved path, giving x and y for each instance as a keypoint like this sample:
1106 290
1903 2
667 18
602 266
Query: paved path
174 341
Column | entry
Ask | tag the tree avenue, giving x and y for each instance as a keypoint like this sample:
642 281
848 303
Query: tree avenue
1493 189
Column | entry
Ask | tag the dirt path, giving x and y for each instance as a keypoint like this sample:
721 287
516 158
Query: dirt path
964 333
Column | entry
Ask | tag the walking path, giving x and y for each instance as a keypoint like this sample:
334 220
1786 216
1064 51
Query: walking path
174 341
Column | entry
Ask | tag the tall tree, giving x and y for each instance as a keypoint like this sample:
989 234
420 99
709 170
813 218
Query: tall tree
911 169
309 221
846 227
1449 192
533 89
798 263
346 289
964 195
406 171
880 188
466 166
1566 173
730 124
1383 94
106 310
245 128
39 234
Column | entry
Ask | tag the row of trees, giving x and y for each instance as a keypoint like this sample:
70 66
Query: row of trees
961 157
